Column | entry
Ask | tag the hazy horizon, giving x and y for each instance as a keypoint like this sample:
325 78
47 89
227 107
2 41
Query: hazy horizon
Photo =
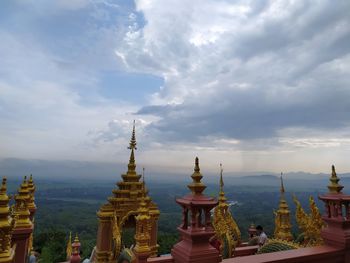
255 85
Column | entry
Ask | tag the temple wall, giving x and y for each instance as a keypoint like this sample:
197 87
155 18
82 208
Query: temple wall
321 254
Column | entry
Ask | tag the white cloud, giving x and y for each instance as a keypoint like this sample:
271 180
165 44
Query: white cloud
246 71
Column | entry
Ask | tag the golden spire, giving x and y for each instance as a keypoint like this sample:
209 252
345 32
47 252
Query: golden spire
76 239
69 246
21 211
196 187
6 225
132 147
222 198
142 235
334 187
224 223
282 218
282 186
31 189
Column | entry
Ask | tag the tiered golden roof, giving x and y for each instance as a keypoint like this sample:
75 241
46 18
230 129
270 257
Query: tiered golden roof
6 225
282 218
224 224
129 196
334 186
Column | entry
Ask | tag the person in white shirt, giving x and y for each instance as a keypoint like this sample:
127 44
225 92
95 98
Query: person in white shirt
262 236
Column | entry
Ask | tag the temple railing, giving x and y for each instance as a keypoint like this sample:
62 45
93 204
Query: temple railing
321 254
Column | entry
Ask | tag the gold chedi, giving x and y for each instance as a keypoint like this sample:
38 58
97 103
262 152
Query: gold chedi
282 218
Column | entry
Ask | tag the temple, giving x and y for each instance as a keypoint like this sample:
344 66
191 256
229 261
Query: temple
208 232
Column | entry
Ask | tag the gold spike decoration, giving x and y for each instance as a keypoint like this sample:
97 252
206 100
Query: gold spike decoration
69 248
6 225
334 186
222 197
282 218
225 226
196 187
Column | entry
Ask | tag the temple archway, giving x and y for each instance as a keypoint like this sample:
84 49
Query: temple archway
120 211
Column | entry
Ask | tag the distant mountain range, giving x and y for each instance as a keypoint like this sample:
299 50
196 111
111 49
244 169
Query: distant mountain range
78 170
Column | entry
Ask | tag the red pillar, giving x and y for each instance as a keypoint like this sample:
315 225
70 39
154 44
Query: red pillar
20 237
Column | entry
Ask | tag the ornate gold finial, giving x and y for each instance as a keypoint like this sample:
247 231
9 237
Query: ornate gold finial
142 235
196 187
6 225
132 147
31 189
133 143
282 218
69 246
225 226
21 211
76 239
221 179
3 188
282 186
334 187
222 198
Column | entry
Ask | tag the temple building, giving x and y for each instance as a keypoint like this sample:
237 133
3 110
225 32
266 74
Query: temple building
208 232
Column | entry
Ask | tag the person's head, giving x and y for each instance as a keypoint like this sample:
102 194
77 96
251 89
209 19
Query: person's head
259 229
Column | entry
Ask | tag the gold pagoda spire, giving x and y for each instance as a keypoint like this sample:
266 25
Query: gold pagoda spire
69 246
196 187
132 146
282 217
6 225
21 211
334 187
222 197
142 235
31 189
224 224
282 185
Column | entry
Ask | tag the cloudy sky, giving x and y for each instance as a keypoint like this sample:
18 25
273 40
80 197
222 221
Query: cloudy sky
257 85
